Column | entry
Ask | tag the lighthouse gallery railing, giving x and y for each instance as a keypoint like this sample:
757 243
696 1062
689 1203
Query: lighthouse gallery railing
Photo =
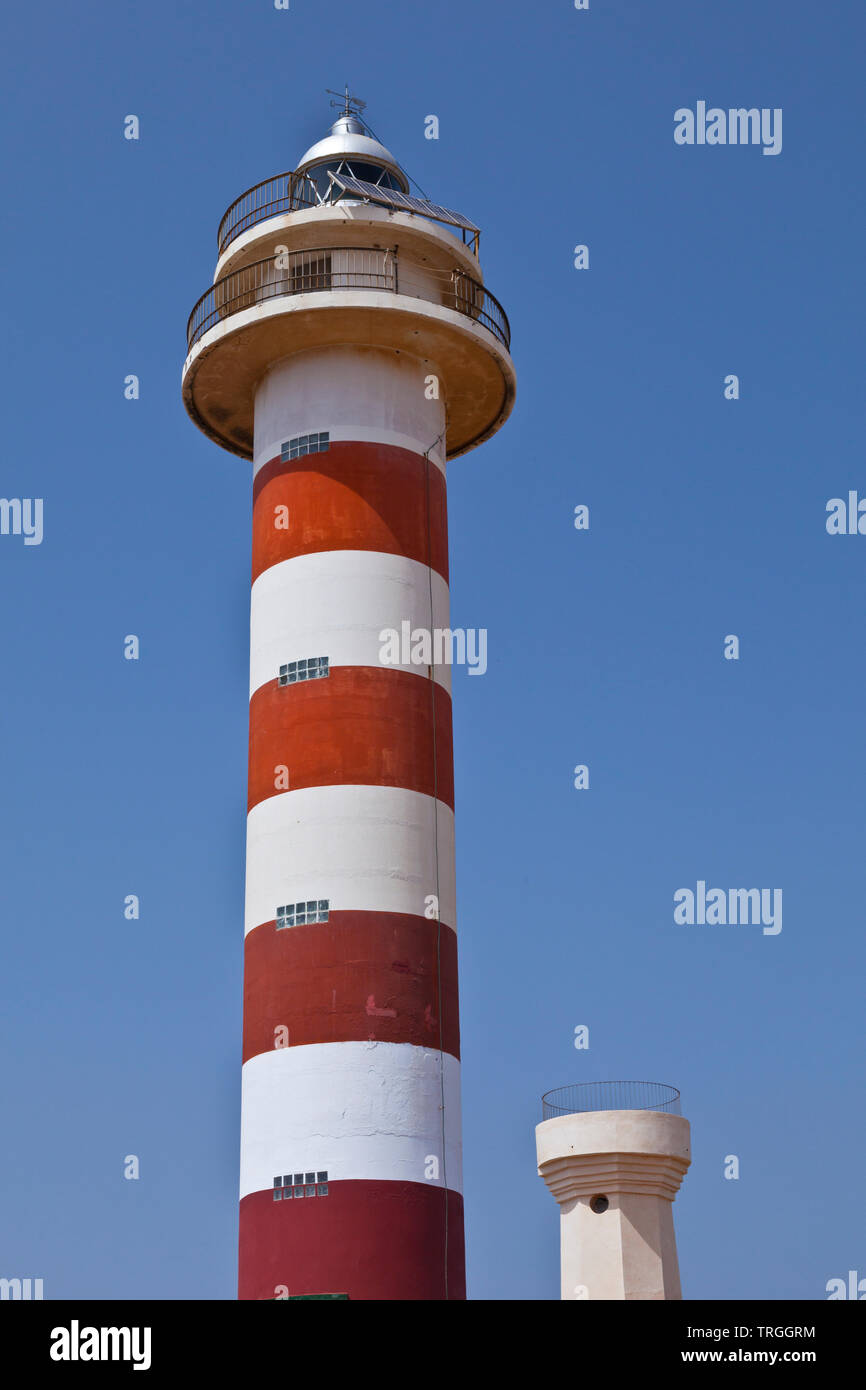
289 192
283 193
344 268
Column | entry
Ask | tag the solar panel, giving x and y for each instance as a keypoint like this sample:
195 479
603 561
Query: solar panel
394 199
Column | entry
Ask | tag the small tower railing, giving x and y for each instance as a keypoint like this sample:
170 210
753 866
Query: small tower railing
344 268
610 1095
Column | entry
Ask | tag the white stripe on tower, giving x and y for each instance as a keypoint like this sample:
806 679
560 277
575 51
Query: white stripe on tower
365 849
376 1107
369 405
345 599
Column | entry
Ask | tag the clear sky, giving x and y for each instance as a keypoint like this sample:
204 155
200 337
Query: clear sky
605 647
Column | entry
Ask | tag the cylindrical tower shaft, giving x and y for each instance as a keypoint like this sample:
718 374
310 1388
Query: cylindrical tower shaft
351 1118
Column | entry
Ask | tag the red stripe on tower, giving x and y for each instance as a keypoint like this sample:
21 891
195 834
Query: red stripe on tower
353 496
363 724
366 1236
381 976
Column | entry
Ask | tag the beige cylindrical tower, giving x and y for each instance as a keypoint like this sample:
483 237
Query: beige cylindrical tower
613 1156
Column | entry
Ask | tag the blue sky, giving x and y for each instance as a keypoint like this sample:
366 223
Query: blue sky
605 647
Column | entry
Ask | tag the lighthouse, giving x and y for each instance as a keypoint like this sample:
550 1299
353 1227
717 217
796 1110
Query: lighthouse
349 348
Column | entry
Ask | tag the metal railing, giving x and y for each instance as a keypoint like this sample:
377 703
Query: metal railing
344 268
610 1095
283 193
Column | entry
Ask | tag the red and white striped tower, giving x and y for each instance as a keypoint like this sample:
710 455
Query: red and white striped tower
348 347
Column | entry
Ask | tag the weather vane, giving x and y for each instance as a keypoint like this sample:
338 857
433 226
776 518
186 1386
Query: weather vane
347 102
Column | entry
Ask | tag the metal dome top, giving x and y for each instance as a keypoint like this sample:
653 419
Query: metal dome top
349 137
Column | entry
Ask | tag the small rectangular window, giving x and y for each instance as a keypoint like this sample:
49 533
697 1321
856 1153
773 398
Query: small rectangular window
300 915
290 1185
309 669
303 444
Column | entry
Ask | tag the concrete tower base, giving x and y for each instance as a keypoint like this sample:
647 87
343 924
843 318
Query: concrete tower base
615 1174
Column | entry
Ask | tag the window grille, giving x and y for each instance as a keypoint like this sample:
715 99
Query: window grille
312 668
305 444
301 915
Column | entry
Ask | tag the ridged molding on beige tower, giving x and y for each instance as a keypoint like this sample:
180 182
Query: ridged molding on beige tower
634 1161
